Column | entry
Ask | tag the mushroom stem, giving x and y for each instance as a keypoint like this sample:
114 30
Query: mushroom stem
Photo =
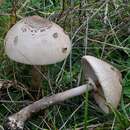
13 14
17 120
36 81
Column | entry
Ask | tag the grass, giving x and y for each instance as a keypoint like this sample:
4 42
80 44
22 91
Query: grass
96 28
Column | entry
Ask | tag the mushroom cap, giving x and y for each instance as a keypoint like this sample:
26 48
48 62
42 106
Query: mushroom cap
37 41
107 80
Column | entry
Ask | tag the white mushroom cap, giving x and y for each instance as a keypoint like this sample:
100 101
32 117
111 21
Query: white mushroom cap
37 41
107 80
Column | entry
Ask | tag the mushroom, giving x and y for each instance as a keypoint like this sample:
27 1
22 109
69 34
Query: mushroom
37 41
103 81
106 79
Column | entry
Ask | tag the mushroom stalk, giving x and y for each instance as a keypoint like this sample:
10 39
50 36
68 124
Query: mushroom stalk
36 81
17 120
13 14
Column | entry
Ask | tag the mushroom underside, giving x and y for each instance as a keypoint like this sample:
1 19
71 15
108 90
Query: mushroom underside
97 92
107 81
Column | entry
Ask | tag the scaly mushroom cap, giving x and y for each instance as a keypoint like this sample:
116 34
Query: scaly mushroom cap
37 41
107 80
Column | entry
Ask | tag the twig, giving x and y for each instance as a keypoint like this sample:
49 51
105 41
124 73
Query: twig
21 102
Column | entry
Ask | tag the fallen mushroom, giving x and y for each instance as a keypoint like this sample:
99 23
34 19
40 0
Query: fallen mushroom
107 80
103 81
37 41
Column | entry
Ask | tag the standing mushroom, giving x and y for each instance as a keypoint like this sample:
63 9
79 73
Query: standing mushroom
37 41
103 81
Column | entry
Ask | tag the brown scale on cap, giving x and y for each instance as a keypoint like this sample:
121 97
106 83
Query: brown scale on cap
42 30
64 50
55 35
16 40
23 29
37 22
